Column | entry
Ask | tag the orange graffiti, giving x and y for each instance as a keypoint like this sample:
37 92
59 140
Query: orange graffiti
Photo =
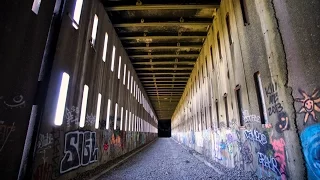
309 104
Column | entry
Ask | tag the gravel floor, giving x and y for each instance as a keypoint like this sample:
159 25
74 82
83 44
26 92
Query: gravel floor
165 159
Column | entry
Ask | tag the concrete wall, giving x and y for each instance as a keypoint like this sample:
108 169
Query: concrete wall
66 150
274 45
23 39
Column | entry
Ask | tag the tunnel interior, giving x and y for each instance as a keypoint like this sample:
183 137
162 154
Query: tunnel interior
231 84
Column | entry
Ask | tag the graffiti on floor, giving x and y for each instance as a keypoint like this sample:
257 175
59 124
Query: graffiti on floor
274 104
283 122
247 118
79 150
309 105
310 139
72 116
5 132
255 135
45 141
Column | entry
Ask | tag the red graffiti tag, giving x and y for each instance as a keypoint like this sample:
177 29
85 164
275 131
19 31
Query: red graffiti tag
105 147
278 146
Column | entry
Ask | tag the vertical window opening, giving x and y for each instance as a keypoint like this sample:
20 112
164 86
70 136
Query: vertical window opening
211 58
94 30
76 13
36 6
126 121
228 28
98 111
119 68
113 56
239 103
226 108
115 117
207 68
244 12
260 97
128 80
124 74
105 46
217 113
131 84
62 99
121 118
84 105
219 46
108 114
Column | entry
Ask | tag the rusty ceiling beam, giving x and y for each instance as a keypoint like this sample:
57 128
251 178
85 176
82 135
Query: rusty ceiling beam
162 37
175 81
159 24
164 68
169 85
165 56
162 7
164 47
165 63
165 77
164 73
164 87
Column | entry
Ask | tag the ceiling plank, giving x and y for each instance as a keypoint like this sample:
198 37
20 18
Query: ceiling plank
165 56
162 37
165 63
165 73
162 7
163 47
157 24
163 68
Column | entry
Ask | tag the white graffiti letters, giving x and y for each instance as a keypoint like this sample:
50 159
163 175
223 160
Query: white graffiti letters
256 136
247 118
79 150
45 140
268 163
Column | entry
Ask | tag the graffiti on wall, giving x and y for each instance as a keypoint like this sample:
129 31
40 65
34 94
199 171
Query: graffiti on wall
90 120
72 116
255 135
247 118
43 172
310 139
5 132
274 104
16 102
79 150
283 122
309 105
45 141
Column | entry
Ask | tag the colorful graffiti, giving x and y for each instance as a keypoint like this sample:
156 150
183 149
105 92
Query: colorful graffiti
79 150
309 105
310 139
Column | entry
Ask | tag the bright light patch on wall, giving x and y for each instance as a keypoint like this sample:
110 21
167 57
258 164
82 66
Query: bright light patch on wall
105 46
98 111
115 117
36 6
129 128
77 13
113 56
94 30
84 105
131 84
124 74
119 67
126 121
62 99
134 89
128 80
121 118
108 114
